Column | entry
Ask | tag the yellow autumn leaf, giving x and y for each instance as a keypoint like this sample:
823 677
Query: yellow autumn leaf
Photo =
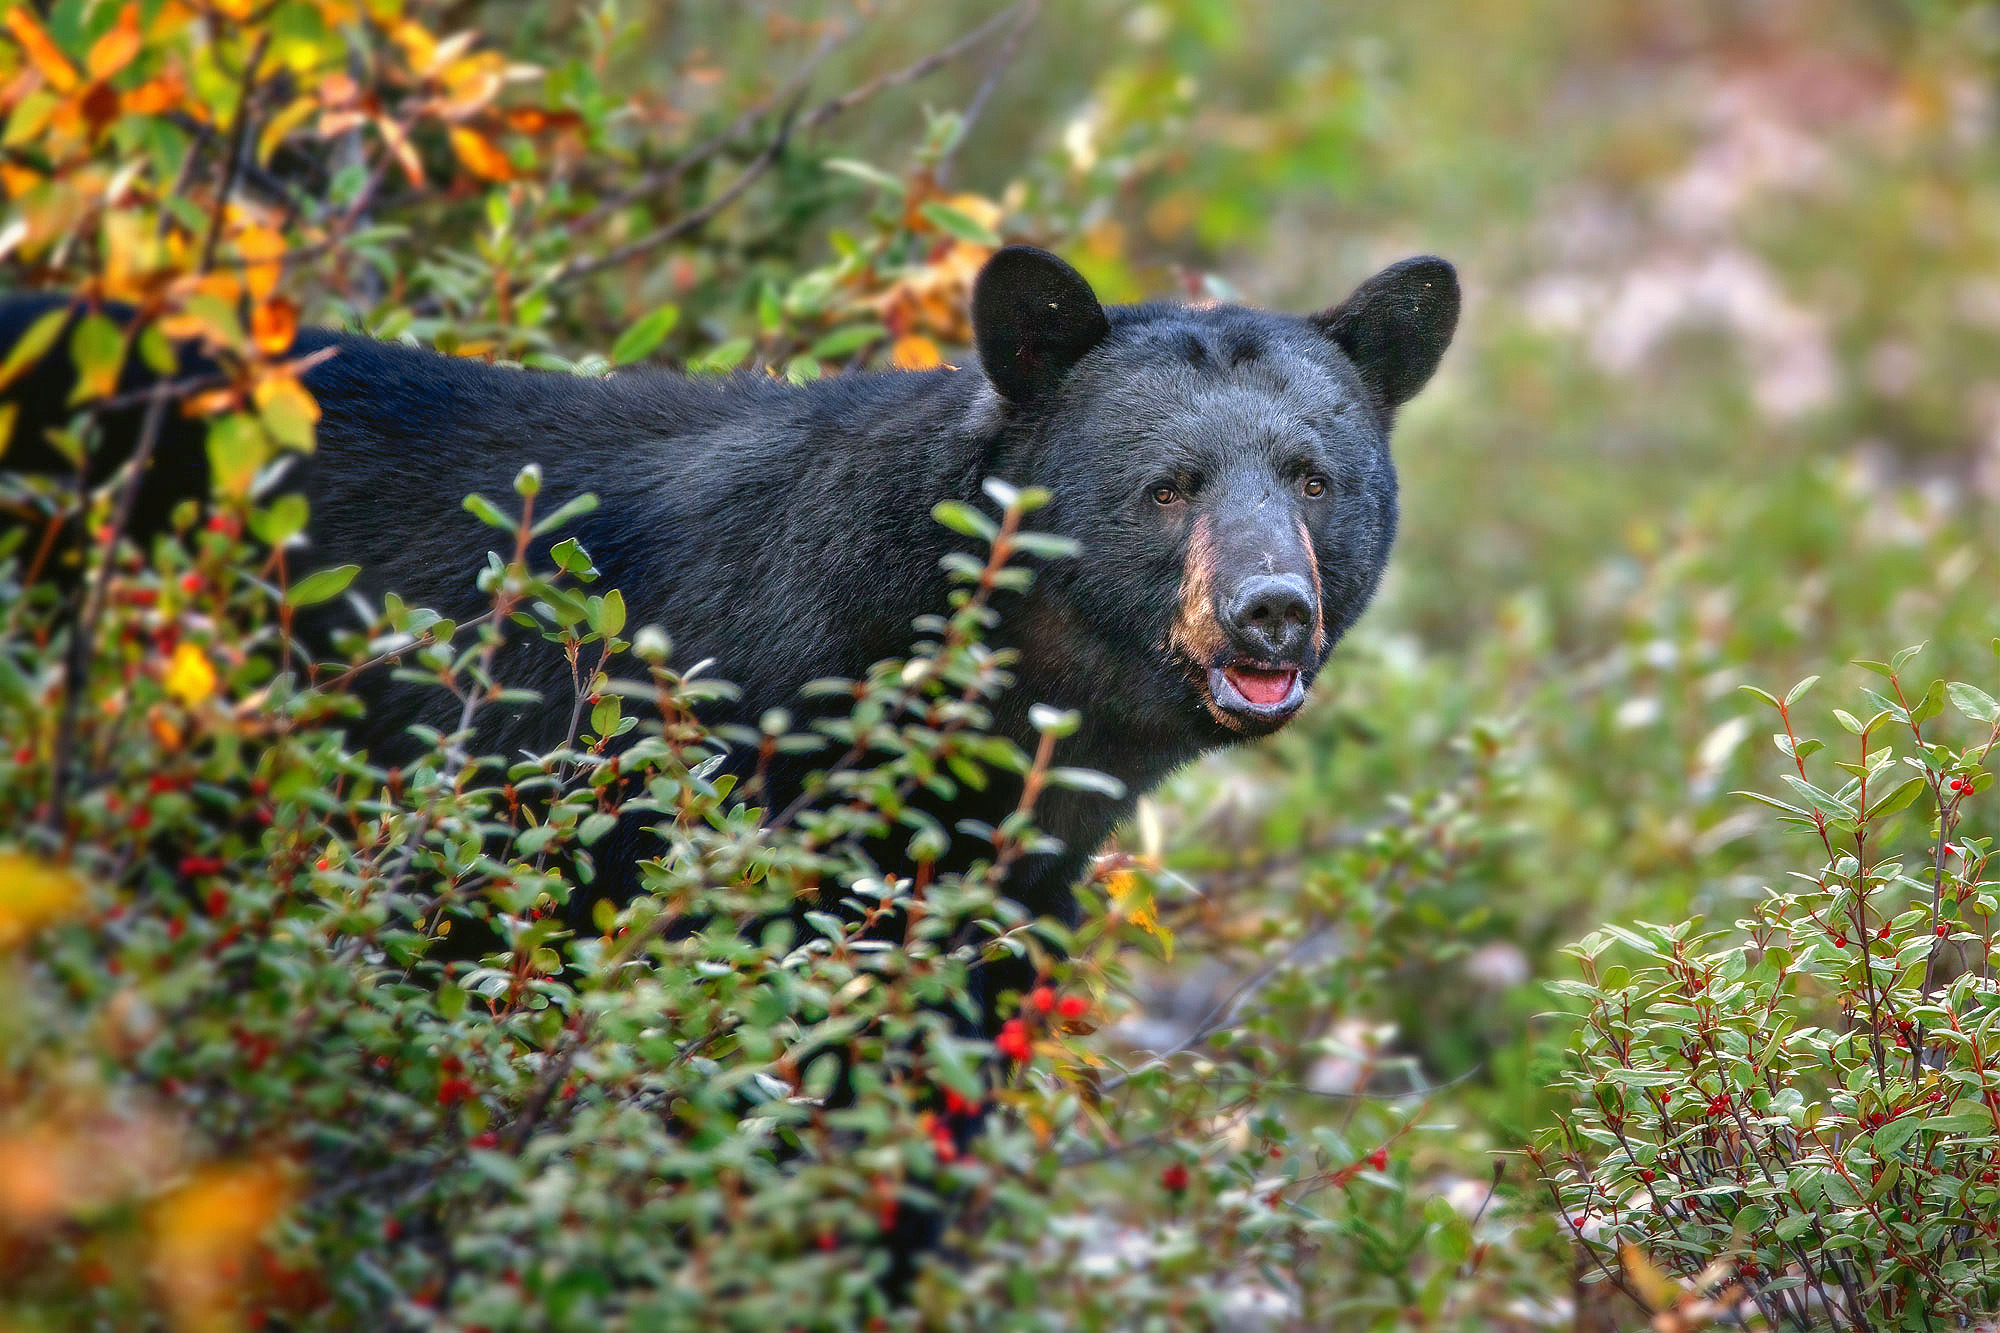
190 678
979 208
263 251
1133 898
33 894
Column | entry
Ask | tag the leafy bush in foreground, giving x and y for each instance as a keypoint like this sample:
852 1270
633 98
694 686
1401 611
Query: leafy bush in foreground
1800 1117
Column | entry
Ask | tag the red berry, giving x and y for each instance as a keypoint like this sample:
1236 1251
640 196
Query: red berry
942 1142
1174 1177
391 1229
486 1139
1840 941
452 1091
826 1240
1073 1007
1013 1041
1646 1174
190 583
1379 1159
1883 933
218 902
1041 999
1943 929
25 755
175 926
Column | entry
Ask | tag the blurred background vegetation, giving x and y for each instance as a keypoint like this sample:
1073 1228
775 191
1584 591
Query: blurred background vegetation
1723 410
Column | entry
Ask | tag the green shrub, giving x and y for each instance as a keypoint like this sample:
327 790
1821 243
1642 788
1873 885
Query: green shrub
1803 1113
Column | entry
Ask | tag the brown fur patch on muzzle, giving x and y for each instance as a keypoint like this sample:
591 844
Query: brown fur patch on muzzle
1197 634
1319 597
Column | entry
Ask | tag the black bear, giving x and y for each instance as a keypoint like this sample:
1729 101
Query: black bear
1225 470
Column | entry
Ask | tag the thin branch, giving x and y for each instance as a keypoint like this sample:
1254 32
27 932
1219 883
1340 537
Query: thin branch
789 125
662 177
1003 57
1225 1011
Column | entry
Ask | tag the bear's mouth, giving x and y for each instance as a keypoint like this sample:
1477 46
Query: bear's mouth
1261 694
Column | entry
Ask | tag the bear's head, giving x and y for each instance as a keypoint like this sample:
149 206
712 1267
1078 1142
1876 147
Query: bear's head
1227 473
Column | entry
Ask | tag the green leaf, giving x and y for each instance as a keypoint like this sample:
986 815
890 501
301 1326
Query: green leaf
1892 1136
962 225
1906 791
1975 703
612 619
1798 691
848 166
283 519
33 344
237 448
963 519
487 512
319 587
1773 802
722 359
572 559
639 341
97 346
1087 779
566 512
847 341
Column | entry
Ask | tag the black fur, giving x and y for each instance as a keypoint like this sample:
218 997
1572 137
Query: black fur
786 531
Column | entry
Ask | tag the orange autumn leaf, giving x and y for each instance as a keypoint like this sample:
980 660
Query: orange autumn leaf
41 49
915 352
156 96
480 155
115 49
205 1232
273 326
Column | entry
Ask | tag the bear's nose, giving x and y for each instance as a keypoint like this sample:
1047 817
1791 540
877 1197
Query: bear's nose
1271 616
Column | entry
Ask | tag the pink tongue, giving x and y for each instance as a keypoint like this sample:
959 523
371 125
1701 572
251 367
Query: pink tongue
1263 688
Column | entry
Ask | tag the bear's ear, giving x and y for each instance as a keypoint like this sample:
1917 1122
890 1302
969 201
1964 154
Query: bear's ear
1396 325
1033 318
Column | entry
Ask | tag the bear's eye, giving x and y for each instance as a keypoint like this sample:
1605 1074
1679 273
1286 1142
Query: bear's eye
1315 487
1165 495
